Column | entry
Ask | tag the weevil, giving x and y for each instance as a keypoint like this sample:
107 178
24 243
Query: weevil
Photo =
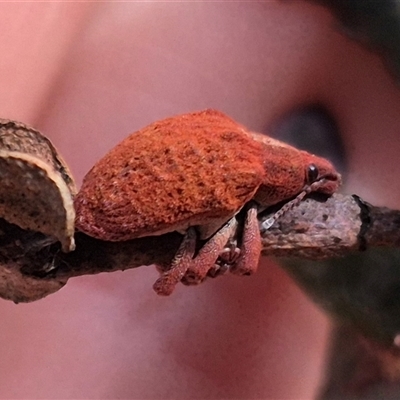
194 173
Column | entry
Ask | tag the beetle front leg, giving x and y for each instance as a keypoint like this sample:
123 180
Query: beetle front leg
250 248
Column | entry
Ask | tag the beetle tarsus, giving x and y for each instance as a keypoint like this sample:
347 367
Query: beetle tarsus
226 259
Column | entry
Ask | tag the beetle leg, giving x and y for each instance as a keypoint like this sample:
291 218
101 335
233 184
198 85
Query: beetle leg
209 253
250 248
228 257
166 283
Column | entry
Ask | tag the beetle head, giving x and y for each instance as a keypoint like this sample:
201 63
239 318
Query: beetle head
320 175
289 172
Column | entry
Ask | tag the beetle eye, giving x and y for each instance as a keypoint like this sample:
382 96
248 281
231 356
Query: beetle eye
312 173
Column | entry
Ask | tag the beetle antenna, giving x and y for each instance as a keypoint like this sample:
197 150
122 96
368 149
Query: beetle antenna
292 203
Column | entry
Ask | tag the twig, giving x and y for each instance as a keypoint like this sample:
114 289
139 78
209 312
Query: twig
318 228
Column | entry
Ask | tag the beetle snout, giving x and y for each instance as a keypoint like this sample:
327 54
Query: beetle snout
330 183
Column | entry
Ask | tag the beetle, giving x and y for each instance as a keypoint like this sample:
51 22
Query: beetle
194 173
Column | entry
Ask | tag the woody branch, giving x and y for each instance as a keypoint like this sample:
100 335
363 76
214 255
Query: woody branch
316 229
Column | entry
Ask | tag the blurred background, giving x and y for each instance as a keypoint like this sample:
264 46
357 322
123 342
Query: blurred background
88 74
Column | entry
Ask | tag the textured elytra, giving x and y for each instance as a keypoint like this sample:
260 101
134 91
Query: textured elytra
189 170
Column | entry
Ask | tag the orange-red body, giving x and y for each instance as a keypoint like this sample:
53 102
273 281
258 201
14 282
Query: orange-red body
188 170
197 171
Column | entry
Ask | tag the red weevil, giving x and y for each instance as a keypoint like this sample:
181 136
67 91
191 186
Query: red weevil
193 173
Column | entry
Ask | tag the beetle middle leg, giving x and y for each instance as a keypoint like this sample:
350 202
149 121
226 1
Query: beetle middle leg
208 254
228 257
